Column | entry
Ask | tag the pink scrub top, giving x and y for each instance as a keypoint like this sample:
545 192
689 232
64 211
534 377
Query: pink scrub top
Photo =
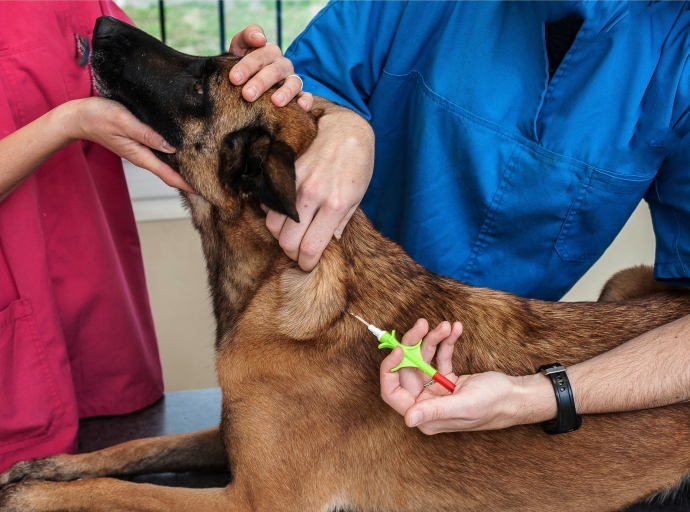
76 332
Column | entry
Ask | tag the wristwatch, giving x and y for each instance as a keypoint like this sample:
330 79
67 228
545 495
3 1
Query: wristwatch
567 419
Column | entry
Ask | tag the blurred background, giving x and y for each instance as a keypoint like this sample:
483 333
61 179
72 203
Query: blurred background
203 27
175 269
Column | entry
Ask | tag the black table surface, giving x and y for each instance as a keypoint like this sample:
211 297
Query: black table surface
187 411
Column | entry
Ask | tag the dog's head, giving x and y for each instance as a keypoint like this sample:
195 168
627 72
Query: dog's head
228 149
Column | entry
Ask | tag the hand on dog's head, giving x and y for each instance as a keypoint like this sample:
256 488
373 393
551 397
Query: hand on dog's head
228 150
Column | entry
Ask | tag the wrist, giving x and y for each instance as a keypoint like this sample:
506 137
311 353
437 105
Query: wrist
67 118
535 401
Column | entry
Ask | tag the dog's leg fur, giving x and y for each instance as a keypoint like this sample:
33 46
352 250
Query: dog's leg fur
632 283
110 495
196 451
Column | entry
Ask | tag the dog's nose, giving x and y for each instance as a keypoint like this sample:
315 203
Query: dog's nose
106 26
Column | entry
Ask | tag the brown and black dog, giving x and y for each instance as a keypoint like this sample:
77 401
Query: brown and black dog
303 427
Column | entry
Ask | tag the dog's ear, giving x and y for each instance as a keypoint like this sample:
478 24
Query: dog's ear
253 162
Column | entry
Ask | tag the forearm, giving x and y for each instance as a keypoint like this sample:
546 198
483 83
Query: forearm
23 151
648 371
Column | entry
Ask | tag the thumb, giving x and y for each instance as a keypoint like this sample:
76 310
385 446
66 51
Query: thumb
425 412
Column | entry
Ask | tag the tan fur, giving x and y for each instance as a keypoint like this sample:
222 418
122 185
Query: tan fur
633 283
303 426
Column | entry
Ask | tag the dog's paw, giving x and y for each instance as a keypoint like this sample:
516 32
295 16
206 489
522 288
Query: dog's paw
48 468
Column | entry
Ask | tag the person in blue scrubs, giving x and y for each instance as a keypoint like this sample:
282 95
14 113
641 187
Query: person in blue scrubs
512 142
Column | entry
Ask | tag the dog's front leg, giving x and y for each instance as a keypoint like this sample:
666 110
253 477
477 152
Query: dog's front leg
111 495
196 451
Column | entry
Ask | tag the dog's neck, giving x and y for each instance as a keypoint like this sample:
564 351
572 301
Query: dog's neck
368 274
242 257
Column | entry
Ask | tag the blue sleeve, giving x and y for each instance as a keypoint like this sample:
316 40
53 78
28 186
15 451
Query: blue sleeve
669 194
341 53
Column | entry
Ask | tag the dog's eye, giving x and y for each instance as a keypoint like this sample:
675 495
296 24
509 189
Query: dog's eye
198 87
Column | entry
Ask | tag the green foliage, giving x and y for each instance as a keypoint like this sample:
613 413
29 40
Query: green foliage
193 26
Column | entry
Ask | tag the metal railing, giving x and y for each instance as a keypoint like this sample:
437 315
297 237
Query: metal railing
221 17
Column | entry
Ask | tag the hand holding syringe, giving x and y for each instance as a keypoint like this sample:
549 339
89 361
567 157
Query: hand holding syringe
412 355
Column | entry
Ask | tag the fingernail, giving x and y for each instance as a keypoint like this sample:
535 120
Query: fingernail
251 92
237 77
257 35
415 418
280 97
167 147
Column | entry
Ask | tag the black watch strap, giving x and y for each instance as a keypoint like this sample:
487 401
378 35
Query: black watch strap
567 419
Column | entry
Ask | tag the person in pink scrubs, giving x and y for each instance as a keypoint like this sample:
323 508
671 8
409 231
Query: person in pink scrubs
76 332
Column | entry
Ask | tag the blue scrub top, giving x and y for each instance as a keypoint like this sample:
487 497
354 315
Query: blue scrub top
487 172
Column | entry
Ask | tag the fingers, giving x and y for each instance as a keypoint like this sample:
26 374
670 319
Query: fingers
143 157
391 391
149 137
170 177
306 101
291 87
444 348
262 69
124 122
306 240
339 230
418 331
327 221
274 221
290 236
247 40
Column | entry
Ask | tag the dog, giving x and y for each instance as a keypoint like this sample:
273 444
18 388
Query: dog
303 427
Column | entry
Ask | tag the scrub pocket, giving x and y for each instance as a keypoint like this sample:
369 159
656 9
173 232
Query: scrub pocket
603 205
30 409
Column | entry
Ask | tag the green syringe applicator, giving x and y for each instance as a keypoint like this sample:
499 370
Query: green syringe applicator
412 355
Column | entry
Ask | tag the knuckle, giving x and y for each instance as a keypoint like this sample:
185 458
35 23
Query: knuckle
285 65
274 73
309 191
436 413
120 117
274 51
309 249
287 244
149 136
472 411
334 204
274 223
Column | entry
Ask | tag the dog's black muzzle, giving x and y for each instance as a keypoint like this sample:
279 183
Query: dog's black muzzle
157 84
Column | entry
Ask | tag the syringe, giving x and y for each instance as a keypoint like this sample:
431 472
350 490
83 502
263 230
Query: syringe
412 355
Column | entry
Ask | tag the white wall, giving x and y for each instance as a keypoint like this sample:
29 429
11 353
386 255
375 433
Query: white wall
176 279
